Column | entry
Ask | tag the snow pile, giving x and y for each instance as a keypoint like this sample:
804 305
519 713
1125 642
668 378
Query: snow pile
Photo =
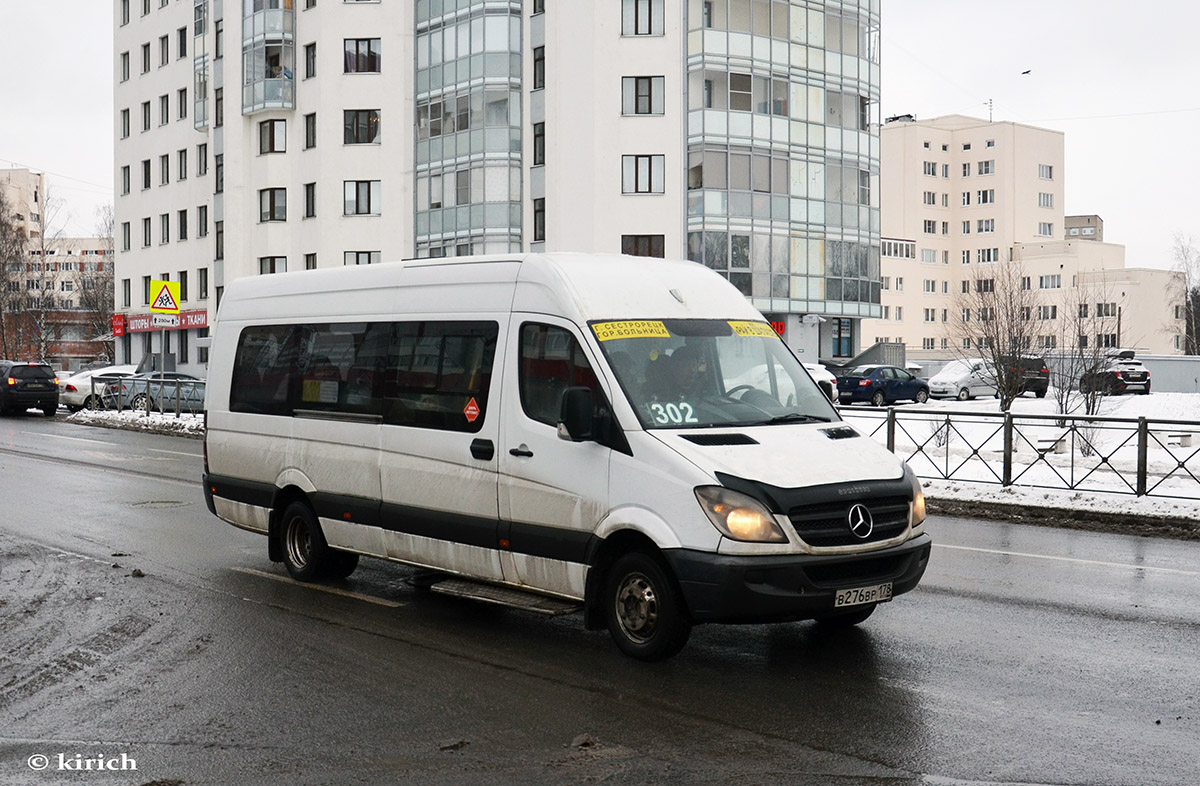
137 420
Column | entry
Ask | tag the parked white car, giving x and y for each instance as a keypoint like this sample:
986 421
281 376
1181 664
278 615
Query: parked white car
821 374
75 392
964 380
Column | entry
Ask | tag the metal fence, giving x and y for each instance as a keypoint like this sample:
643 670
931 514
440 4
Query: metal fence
1141 456
169 396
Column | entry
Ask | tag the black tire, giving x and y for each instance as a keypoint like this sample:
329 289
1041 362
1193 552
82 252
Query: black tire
93 402
922 396
964 395
1146 392
50 411
1039 393
644 610
139 402
341 564
846 619
878 400
305 554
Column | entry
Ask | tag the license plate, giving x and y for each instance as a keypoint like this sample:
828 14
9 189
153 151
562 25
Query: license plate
35 386
860 595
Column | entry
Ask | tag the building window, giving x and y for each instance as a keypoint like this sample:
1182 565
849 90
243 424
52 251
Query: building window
219 175
1047 312
1045 229
1106 309
987 255
930 168
219 39
124 123
539 144
987 196
1050 282
1045 172
145 115
310 60
145 58
310 200
929 198
966 198
201 159
987 167
1045 200
843 336
218 107
125 19
126 242
539 67
539 220
164 169
362 55
164 230
202 283
181 39
986 226
310 131
201 220
181 165
642 174
644 245
146 288
267 265
124 66
927 343
272 136
125 180
272 204
219 245
310 261
362 257
181 220
930 227
362 197
642 95
641 17
361 126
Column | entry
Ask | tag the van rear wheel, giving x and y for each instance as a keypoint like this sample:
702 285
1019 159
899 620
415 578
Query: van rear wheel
645 613
305 554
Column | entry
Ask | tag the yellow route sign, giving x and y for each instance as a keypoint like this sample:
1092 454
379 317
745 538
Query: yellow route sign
164 297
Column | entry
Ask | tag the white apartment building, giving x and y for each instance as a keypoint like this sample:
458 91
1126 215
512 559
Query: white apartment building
960 195
271 136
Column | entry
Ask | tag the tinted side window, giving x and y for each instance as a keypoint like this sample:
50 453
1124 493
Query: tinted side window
551 360
407 373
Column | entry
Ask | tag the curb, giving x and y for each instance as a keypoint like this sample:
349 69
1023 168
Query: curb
1172 527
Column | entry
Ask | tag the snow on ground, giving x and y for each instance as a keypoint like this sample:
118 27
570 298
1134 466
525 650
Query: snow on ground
137 420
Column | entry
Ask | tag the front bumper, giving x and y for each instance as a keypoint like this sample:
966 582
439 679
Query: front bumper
731 589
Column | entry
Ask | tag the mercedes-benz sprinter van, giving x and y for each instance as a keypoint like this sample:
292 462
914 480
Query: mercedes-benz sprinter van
621 435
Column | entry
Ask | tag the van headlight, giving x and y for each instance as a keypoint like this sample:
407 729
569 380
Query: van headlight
918 508
739 516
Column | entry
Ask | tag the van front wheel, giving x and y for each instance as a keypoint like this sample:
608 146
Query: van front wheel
305 553
644 611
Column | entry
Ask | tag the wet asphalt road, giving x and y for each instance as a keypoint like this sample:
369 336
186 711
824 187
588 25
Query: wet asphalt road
1028 655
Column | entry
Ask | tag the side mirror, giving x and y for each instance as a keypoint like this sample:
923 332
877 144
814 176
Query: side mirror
575 416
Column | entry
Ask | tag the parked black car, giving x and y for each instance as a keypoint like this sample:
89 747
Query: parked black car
27 385
1035 374
1119 373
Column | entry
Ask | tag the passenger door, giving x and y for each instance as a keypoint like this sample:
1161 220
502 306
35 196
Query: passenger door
553 492
438 458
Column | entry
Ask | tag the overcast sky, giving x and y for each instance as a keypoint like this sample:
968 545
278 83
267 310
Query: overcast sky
1119 79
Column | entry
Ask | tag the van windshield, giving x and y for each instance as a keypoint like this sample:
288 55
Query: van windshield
700 373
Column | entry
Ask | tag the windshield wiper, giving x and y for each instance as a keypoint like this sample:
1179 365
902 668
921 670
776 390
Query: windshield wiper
791 417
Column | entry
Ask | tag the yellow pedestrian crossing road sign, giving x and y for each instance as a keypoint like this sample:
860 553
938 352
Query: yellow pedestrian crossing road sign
164 297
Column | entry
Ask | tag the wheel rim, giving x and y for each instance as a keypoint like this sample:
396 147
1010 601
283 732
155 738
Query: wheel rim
921 396
878 400
298 544
637 608
91 403
963 395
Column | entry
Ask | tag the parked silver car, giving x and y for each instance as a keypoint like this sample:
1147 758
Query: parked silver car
157 390
85 389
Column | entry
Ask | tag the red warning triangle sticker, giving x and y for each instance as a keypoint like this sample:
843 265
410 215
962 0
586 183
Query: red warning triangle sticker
165 301
471 411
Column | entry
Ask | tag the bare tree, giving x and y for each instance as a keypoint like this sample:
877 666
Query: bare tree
44 277
1080 350
996 322
1187 264
13 241
95 281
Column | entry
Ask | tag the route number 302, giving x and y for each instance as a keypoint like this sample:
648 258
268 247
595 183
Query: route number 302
672 413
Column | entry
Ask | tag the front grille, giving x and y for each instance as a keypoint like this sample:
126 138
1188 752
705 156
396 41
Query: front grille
865 571
827 524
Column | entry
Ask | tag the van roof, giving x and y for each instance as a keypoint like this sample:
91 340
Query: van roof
578 286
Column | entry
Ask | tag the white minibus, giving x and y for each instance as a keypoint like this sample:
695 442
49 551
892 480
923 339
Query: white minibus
618 435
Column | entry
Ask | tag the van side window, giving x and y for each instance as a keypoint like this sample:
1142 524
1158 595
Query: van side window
408 373
551 360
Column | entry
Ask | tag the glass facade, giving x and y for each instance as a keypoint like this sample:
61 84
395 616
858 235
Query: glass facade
783 150
468 88
268 55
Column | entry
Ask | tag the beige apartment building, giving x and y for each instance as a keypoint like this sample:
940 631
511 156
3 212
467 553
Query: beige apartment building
959 196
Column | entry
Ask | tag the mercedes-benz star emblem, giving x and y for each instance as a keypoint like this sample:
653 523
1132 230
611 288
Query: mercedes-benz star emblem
860 521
